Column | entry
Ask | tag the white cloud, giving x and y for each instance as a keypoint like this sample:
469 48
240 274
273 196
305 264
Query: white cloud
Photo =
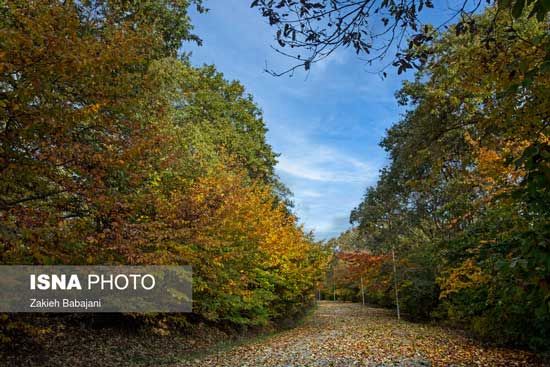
327 180
328 165
338 57
310 194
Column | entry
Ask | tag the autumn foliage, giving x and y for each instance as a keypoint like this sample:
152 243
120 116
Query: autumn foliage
464 200
115 151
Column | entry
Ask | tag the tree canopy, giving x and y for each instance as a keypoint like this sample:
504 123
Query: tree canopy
464 200
115 150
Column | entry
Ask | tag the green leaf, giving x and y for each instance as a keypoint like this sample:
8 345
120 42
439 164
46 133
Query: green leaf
518 8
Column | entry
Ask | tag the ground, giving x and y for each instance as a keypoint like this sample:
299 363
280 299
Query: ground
347 334
336 334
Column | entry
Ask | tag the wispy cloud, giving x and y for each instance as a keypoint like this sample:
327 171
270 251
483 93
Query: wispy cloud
327 181
338 57
311 194
328 166
326 123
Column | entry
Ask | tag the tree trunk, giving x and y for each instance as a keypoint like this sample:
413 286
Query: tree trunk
362 291
395 283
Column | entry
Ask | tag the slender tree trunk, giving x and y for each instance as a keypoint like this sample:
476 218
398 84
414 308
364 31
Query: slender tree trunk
395 283
362 290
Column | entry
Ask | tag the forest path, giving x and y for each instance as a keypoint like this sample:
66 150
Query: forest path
346 334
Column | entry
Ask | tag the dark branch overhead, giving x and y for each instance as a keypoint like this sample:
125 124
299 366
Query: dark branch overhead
308 31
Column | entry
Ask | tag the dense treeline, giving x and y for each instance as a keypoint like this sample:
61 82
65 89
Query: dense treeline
464 202
115 150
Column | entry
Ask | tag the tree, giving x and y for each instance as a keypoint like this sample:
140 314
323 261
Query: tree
360 267
251 264
77 138
467 163
116 151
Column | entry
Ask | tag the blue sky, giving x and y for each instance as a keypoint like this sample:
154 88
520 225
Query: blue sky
326 124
